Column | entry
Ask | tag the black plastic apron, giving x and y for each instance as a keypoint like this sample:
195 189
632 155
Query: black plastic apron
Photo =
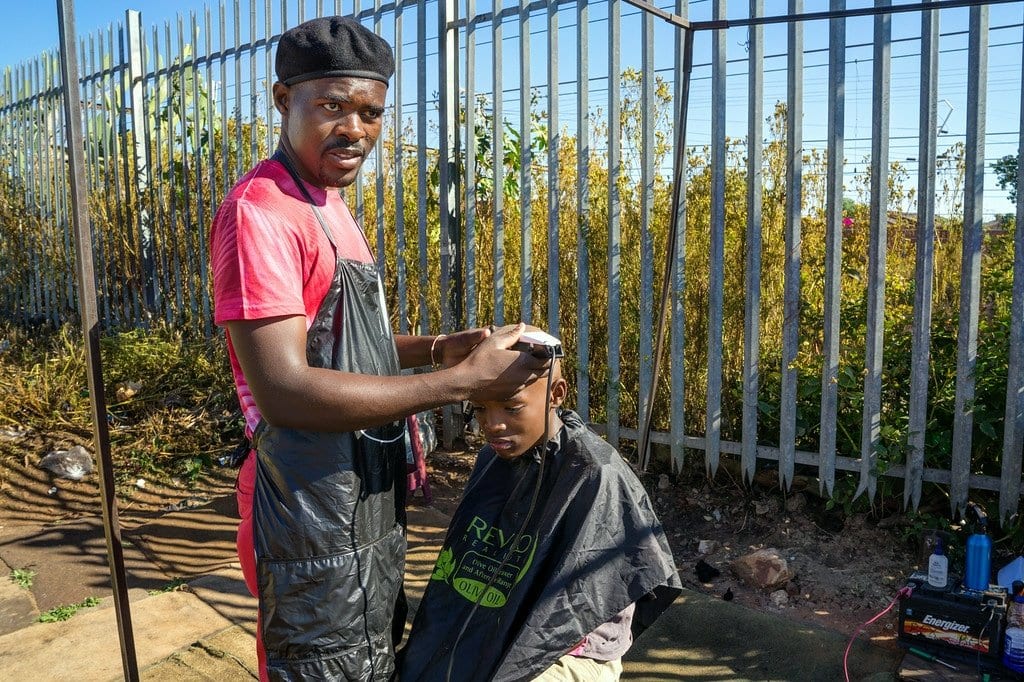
328 508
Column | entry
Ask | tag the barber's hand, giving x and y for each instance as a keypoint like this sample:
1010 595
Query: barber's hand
497 371
454 348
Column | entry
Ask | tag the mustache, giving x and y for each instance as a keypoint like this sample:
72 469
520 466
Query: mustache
348 147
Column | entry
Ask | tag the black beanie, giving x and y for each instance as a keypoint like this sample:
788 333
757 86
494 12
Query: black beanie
331 47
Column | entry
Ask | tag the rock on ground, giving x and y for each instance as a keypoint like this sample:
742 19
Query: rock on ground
765 569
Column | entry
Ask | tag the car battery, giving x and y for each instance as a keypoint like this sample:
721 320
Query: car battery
954 622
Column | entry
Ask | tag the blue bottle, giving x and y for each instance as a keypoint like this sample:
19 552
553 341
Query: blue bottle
1013 649
978 568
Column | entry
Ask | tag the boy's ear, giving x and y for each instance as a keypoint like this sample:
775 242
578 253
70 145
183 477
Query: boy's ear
559 389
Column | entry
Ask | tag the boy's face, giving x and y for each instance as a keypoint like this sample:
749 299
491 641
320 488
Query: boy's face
515 425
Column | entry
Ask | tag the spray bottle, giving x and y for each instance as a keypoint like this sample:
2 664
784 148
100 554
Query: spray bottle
938 567
978 565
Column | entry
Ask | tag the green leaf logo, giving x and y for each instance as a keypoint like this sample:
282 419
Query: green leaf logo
445 566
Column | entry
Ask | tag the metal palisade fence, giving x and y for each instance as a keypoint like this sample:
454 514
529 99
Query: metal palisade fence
847 292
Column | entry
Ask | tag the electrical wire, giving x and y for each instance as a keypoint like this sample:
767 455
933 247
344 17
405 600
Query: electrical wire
364 434
900 596
991 614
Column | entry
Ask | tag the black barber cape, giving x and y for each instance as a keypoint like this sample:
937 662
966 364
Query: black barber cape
591 547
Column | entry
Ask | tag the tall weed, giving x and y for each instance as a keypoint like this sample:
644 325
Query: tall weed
171 406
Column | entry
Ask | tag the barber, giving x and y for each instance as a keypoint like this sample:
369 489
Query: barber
317 370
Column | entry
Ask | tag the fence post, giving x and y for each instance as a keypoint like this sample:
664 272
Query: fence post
924 261
614 226
525 166
448 192
752 273
1013 424
716 248
791 301
970 263
136 74
879 211
833 252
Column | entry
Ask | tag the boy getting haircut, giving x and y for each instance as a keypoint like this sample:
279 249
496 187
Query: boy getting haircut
552 555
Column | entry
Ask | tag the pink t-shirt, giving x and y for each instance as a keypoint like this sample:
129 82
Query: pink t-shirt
271 258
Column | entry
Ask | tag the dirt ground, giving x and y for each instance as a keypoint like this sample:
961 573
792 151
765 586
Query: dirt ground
29 494
847 570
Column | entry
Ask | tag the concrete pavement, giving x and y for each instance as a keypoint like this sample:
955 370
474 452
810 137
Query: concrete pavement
705 638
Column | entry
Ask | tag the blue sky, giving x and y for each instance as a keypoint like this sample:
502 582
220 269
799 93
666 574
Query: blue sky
36 22
37 31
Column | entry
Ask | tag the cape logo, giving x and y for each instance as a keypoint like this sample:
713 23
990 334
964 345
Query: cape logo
473 562
444 567
480 534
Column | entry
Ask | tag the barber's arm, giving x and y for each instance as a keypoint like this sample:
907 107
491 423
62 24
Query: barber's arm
445 350
290 393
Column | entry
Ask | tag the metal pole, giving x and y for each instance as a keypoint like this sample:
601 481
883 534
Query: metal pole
526 166
678 197
448 196
924 261
716 252
554 142
834 253
753 246
421 165
498 164
90 331
583 210
793 238
613 264
874 351
466 275
137 74
970 260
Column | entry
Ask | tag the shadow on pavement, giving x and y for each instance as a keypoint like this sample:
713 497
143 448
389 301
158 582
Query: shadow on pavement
705 638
